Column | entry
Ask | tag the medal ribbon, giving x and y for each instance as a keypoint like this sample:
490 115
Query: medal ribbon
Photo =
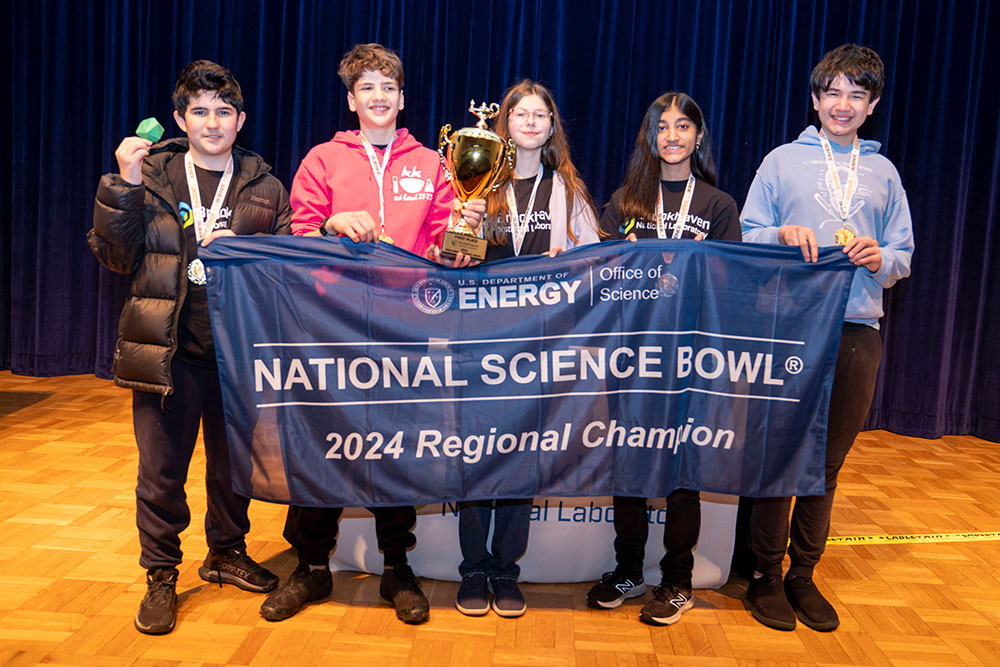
846 192
202 225
682 212
378 171
518 228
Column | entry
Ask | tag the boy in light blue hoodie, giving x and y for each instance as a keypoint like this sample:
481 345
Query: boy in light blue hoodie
828 187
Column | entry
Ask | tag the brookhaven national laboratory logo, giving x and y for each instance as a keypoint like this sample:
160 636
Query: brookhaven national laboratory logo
432 295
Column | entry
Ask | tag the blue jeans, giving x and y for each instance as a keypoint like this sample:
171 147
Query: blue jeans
510 536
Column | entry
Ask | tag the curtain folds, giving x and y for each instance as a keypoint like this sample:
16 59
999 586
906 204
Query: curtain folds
83 74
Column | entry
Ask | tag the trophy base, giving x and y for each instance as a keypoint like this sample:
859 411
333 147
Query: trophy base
467 244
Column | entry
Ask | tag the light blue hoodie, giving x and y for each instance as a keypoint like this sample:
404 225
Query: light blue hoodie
792 187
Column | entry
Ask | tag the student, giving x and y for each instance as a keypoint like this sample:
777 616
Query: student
150 219
828 187
670 193
544 209
375 184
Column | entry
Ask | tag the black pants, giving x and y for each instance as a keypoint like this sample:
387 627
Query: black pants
680 535
313 532
858 360
166 438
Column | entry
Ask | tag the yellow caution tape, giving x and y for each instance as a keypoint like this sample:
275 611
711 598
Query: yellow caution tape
904 539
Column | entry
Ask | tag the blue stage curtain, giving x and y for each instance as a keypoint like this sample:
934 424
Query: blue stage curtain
83 74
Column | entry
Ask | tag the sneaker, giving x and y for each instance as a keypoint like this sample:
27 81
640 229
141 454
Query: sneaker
472 598
767 603
304 585
616 587
668 603
507 599
158 610
233 566
400 587
810 605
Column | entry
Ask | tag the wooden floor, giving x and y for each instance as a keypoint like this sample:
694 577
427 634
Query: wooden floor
70 582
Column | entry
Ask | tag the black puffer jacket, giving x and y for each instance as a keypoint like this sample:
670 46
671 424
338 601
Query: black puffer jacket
136 230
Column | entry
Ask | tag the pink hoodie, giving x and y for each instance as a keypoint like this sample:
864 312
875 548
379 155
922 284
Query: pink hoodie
336 177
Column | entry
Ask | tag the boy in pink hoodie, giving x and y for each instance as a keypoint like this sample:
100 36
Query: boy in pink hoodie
375 184
378 182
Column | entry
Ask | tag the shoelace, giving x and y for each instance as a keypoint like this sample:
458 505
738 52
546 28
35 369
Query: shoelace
159 591
669 594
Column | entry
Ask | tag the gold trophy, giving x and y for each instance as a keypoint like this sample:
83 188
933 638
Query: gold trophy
477 161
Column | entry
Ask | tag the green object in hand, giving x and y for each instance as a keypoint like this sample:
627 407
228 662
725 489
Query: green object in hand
150 130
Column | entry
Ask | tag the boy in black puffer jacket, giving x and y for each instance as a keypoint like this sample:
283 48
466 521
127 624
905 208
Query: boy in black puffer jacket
149 220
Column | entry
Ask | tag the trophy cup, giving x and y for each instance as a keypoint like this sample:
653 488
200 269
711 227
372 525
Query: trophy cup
477 161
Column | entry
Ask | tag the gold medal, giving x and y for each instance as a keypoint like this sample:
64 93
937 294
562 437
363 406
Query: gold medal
196 272
385 238
843 236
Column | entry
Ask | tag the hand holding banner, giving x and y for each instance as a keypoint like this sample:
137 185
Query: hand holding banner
372 377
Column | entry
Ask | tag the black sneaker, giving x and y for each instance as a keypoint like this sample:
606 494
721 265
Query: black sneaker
810 605
158 610
767 602
616 587
507 598
304 585
668 603
472 598
400 587
233 566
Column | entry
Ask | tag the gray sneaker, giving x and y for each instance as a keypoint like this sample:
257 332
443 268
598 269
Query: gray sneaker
234 566
158 610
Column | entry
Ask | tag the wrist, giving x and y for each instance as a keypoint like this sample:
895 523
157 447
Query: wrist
323 231
131 179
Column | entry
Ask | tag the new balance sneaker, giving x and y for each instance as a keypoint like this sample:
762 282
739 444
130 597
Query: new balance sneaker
400 587
507 598
473 598
668 603
767 602
158 610
304 585
810 605
616 587
233 566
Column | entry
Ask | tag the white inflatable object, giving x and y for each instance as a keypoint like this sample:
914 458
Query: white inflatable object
571 539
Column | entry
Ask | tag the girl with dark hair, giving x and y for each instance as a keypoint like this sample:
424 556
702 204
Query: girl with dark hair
543 209
669 192
671 175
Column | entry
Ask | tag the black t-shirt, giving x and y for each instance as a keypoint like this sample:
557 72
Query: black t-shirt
712 213
194 330
538 235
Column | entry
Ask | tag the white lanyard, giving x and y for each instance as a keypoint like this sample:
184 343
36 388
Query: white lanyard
682 212
202 225
378 171
518 228
844 193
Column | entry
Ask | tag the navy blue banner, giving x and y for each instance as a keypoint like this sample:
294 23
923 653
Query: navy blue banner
356 375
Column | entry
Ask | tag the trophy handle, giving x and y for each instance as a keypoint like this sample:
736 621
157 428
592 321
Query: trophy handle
442 142
510 154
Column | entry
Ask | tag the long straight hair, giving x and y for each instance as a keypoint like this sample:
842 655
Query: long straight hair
642 180
555 156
